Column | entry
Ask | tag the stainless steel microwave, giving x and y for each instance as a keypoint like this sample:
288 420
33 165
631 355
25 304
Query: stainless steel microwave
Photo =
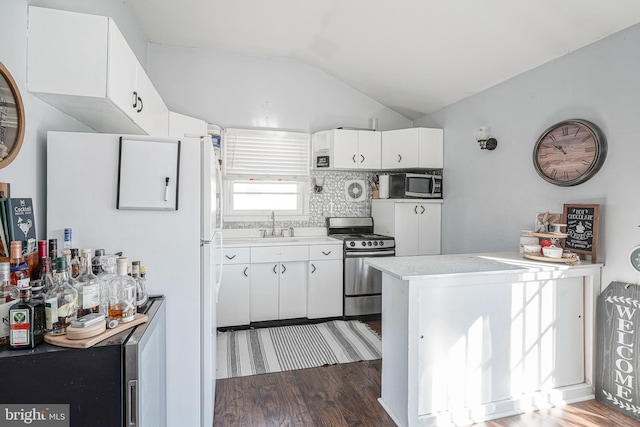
415 185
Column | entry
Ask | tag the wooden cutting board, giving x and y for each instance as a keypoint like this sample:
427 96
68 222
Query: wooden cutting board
63 341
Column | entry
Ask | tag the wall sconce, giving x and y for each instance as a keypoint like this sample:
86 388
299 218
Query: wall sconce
318 182
483 136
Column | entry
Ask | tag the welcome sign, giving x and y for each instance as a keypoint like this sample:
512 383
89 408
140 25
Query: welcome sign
618 348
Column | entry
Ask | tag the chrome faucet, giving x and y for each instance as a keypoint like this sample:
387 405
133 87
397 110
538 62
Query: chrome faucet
273 223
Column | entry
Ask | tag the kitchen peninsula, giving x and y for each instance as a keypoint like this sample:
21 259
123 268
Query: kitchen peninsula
474 337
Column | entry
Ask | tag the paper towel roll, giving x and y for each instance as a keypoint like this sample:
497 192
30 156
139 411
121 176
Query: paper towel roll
383 186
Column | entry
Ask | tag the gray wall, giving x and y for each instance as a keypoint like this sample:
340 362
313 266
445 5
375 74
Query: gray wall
491 196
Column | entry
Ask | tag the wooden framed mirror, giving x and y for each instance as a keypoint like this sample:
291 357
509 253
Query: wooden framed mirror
11 118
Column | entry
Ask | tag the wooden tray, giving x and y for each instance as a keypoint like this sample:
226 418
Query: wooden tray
574 260
63 341
550 235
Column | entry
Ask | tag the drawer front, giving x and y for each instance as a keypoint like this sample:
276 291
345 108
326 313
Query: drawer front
325 252
279 253
236 255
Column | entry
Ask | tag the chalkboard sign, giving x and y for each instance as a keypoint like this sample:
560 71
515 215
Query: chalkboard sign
582 229
618 348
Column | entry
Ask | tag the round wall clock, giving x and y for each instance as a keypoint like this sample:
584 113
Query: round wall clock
11 118
570 152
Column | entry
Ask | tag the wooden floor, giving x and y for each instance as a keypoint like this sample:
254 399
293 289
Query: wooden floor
346 395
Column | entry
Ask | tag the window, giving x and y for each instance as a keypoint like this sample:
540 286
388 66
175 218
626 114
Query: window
265 171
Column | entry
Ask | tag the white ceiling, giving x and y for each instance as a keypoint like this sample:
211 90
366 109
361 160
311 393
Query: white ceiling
413 56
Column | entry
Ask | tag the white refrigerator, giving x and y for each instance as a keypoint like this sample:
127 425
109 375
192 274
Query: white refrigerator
178 239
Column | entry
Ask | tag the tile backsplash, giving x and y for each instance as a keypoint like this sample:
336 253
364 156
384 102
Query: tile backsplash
331 201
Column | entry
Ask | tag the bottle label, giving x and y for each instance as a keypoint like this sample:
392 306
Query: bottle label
23 283
4 318
19 326
51 312
90 296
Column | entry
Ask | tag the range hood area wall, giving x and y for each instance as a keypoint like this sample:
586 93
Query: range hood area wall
331 201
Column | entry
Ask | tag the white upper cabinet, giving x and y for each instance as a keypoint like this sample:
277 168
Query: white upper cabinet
82 65
346 149
412 148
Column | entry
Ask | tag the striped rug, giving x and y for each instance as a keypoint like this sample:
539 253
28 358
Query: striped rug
284 348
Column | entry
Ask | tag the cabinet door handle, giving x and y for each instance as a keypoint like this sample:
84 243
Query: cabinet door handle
313 268
362 157
422 207
284 269
354 158
399 158
135 99
245 272
274 269
326 253
230 257
415 209
141 105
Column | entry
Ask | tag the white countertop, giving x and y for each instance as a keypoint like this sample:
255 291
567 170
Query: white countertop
431 266
302 236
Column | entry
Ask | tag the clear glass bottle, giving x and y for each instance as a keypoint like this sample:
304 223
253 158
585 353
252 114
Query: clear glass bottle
122 294
68 239
88 286
66 253
46 274
61 302
6 301
75 262
26 322
141 285
19 269
109 272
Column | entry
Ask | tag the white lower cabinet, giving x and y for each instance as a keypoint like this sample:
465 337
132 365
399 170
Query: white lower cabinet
233 297
278 285
233 307
324 285
415 224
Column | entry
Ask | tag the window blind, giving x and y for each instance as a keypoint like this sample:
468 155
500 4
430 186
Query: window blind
265 153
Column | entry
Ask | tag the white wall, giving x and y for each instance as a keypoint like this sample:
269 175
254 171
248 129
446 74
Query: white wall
491 196
233 90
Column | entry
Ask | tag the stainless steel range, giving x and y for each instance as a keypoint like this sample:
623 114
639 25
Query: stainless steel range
362 284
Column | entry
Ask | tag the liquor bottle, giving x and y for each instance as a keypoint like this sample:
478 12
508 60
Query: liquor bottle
26 322
75 263
43 253
53 248
88 286
68 241
143 271
6 301
61 302
109 271
46 273
122 294
19 269
96 261
141 285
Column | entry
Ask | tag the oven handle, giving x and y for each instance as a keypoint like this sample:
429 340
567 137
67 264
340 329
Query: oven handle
369 254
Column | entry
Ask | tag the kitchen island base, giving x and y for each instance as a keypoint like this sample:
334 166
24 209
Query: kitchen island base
468 338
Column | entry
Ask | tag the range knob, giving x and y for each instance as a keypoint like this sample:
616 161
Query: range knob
369 243
376 243
381 243
364 243
352 244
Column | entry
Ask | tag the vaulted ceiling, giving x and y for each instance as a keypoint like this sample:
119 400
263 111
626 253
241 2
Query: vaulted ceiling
413 56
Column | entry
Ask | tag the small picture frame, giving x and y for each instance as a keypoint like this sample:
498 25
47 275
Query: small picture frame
582 229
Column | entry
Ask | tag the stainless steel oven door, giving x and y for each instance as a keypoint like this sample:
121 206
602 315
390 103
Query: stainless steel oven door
359 278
